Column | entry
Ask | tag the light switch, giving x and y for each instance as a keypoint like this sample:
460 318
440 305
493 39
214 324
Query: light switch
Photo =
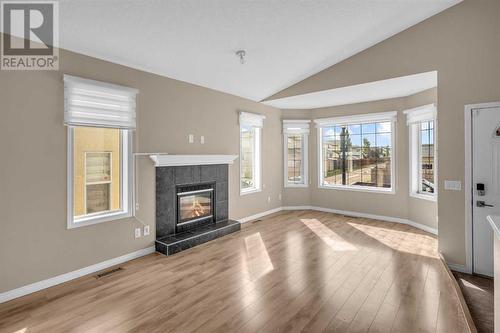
202 139
452 185
191 138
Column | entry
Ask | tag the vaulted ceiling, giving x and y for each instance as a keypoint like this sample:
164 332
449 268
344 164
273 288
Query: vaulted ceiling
196 41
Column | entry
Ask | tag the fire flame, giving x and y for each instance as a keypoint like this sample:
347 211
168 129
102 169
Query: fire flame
197 209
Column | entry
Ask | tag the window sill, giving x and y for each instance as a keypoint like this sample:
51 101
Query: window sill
427 197
249 191
296 185
358 189
86 221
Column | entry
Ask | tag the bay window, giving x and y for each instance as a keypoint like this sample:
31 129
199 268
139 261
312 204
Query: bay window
250 152
422 139
100 118
295 142
357 152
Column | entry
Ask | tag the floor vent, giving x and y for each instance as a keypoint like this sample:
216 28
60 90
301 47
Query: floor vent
108 273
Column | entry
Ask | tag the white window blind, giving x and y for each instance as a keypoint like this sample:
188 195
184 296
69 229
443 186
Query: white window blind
98 104
422 113
251 119
356 119
296 126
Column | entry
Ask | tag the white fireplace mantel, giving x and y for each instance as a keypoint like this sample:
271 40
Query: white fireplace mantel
180 160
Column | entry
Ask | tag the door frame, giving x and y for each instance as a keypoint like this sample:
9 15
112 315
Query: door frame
468 188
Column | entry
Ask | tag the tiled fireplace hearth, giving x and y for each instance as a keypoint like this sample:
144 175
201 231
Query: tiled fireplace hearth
191 206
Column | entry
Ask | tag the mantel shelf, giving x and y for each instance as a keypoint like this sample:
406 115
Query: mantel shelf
180 160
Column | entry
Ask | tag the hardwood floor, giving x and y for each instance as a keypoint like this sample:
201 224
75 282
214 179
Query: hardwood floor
293 271
478 292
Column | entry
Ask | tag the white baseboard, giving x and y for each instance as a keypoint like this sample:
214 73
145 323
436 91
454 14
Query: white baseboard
259 215
379 217
298 208
37 286
344 212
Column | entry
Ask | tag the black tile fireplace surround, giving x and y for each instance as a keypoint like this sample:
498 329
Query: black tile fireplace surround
191 206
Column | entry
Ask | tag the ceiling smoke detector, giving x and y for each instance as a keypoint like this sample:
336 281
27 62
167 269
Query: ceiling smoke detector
241 54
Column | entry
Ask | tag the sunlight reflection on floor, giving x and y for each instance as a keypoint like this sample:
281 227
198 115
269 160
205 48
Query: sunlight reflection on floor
22 330
326 234
408 241
257 261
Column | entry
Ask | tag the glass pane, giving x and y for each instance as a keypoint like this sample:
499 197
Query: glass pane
330 150
368 128
294 158
195 206
354 129
383 140
427 156
353 166
98 167
384 127
359 155
247 157
98 198
355 141
96 163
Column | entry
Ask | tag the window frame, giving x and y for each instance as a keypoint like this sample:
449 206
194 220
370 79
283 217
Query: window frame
126 172
414 117
304 172
390 116
415 155
257 161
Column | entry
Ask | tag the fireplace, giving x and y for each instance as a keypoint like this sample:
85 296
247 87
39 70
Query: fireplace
195 205
191 206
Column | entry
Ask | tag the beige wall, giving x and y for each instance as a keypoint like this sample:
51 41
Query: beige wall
400 204
462 44
34 241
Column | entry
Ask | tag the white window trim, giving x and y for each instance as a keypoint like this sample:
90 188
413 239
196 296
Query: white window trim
413 119
257 165
358 119
126 185
296 127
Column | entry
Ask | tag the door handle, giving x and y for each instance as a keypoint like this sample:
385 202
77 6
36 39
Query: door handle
480 203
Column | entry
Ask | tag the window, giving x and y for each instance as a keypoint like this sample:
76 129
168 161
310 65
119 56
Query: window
356 152
295 139
250 146
422 130
100 118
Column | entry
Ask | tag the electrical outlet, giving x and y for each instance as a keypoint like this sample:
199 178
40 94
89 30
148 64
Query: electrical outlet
146 230
137 206
191 138
202 139
137 232
269 199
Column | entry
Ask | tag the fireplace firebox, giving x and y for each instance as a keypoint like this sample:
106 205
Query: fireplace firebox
195 205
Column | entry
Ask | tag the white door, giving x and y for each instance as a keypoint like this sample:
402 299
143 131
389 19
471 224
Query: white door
485 170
